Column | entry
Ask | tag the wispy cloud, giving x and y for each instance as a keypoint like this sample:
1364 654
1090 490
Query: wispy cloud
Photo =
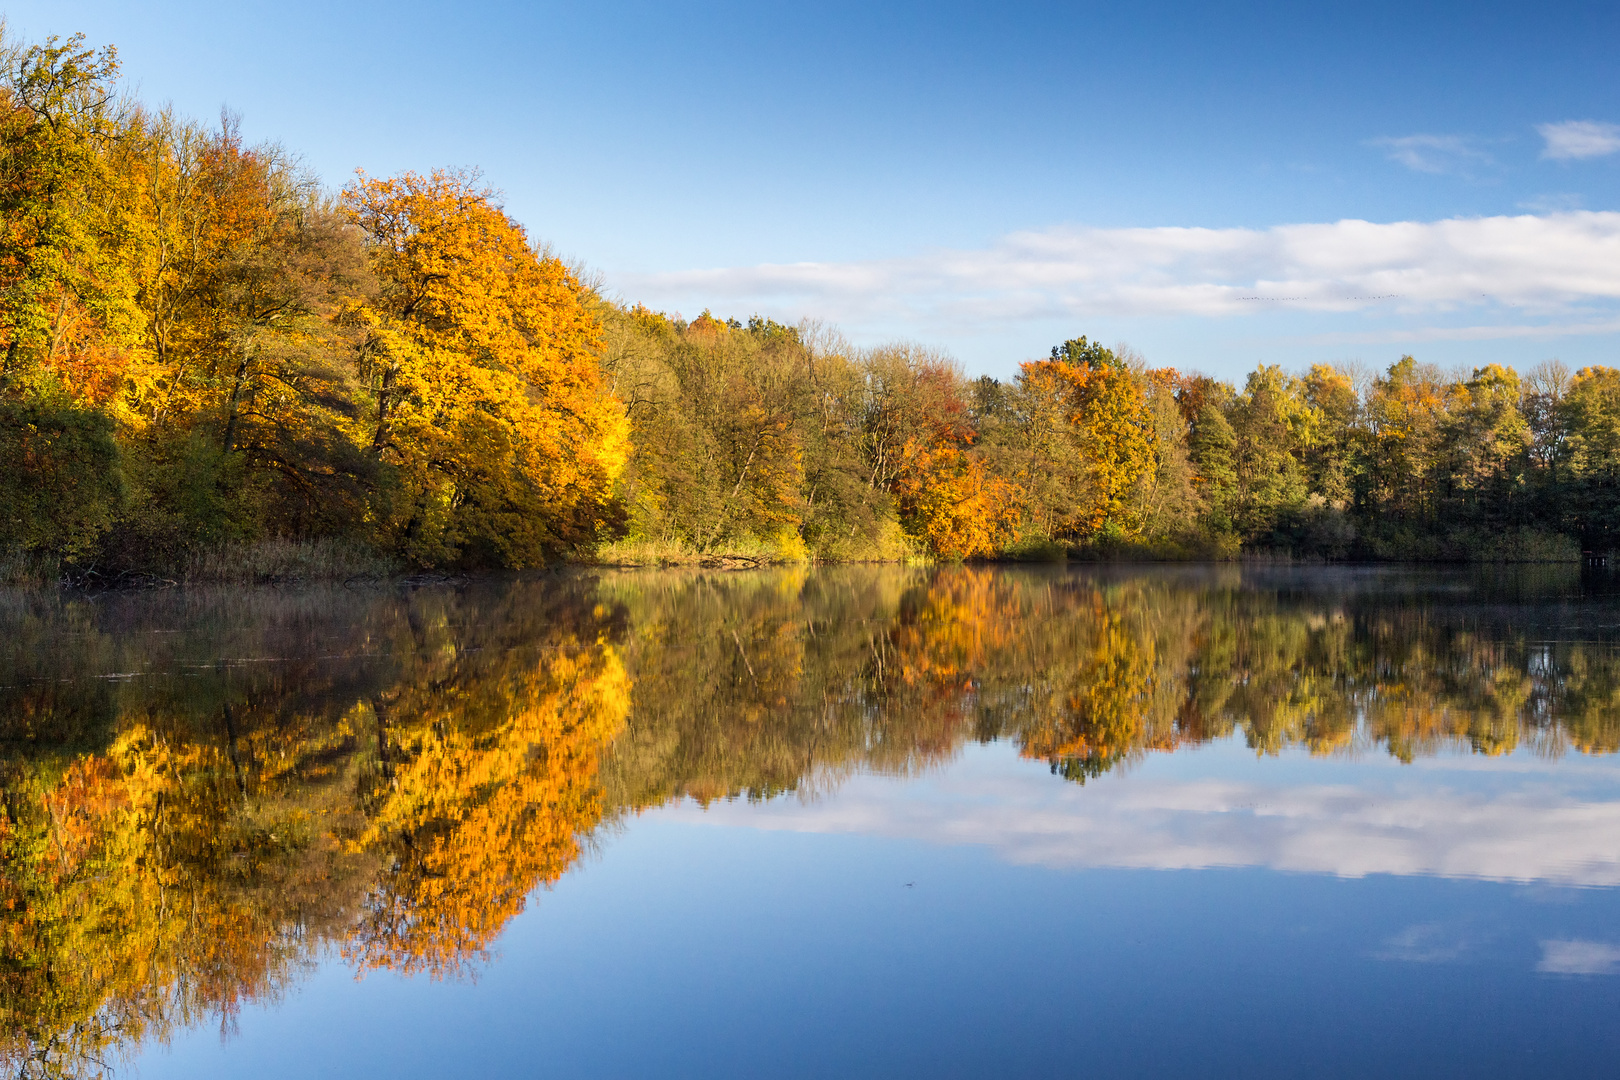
1556 202
1436 153
1576 957
1541 264
1576 140
1425 943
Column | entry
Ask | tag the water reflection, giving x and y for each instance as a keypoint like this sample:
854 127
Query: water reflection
205 792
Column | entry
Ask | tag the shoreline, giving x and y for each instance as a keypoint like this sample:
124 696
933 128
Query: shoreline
91 581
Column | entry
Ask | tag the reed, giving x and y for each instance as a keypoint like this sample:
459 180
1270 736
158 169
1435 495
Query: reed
281 561
27 569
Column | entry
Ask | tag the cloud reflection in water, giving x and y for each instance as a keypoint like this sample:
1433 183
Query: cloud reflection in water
1520 825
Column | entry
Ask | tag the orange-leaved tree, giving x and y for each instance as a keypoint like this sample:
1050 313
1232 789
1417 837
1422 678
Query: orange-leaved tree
917 440
240 411
483 357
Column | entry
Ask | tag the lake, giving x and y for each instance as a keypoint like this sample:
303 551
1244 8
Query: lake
1212 821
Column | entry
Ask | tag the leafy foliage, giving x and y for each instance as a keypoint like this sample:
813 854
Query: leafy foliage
486 401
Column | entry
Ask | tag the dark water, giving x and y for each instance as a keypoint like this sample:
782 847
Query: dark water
854 822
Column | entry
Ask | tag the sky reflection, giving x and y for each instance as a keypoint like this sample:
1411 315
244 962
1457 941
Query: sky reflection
1522 819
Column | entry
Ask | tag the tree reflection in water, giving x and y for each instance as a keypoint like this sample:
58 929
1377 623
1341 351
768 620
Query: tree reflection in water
203 792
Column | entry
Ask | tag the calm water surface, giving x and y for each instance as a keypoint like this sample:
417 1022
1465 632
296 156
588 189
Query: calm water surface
854 822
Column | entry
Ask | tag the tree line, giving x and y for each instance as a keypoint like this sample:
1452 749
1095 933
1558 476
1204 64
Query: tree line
204 350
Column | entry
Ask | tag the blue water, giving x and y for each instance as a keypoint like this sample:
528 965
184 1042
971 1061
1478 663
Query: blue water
873 930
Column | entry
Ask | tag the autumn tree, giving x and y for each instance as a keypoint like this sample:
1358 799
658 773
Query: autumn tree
917 440
1332 459
239 412
1106 413
202 349
485 393
1028 436
1485 445
1167 500
745 439
1590 457
1211 447
1405 409
67 313
67 294
1272 424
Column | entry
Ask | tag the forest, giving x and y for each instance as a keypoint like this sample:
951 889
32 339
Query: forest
217 366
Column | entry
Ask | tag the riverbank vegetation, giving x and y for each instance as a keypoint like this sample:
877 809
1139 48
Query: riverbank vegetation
210 358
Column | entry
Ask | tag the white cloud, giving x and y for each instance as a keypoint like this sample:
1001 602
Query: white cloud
1576 957
1546 263
1435 153
1574 140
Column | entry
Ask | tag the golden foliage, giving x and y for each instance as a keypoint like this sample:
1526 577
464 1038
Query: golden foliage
1113 429
481 353
953 502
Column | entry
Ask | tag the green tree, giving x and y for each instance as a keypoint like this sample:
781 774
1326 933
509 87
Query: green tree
1272 425
1485 445
1590 464
63 487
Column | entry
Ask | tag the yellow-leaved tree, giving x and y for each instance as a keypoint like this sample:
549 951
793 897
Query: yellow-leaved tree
487 401
1112 425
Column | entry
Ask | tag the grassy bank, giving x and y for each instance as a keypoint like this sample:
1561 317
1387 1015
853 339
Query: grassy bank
295 562
890 545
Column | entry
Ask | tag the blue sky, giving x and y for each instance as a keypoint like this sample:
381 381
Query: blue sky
986 178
